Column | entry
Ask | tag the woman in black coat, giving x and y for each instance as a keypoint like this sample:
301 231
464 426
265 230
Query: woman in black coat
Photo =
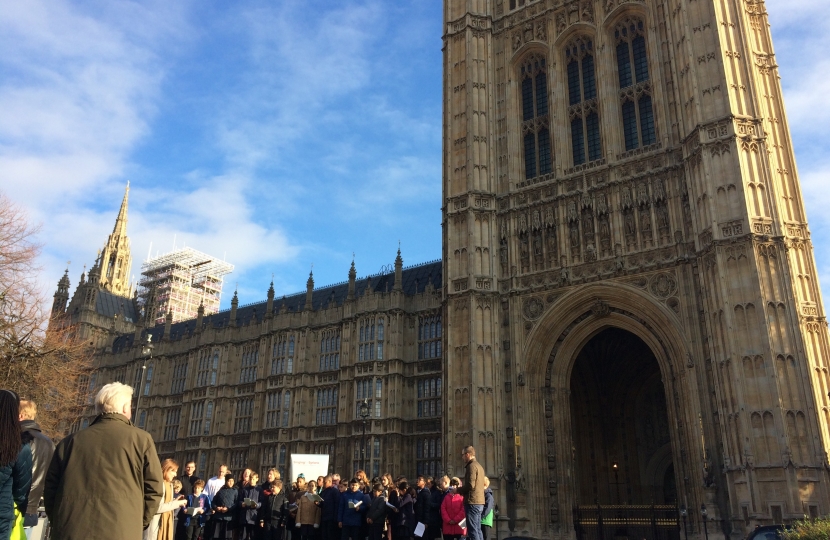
15 462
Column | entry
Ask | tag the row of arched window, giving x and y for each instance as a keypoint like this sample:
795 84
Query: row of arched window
636 107
329 350
250 358
371 343
429 337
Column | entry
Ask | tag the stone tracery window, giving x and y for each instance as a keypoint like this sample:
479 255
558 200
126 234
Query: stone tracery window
201 413
282 358
538 157
171 425
370 342
250 359
370 390
429 337
635 86
207 367
330 350
179 376
244 413
326 411
582 100
277 409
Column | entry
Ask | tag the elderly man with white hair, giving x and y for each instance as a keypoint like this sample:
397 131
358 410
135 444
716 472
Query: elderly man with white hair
104 481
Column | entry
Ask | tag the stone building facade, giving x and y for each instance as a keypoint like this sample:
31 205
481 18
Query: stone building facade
631 299
628 295
251 385
104 303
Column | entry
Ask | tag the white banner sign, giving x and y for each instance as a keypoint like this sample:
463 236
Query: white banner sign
310 465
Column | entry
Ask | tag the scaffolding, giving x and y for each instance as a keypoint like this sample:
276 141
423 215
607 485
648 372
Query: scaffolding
181 280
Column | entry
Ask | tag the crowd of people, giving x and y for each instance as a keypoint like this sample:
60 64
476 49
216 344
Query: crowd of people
241 508
25 454
107 481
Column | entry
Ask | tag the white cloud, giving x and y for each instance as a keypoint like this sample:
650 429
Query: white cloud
298 65
80 91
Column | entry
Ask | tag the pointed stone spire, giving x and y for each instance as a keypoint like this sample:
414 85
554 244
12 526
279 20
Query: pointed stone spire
309 290
91 286
61 296
95 271
200 315
150 309
234 306
168 323
116 259
398 271
352 279
269 307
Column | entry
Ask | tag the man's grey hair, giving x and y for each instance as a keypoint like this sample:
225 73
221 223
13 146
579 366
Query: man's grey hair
112 397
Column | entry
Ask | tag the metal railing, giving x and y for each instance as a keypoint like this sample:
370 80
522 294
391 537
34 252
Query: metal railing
640 522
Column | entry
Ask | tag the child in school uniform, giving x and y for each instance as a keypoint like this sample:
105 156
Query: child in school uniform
224 507
194 524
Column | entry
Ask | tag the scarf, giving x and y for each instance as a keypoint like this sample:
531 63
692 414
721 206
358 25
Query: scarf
166 519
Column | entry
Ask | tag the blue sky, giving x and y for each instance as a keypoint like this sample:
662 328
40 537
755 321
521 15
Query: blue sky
276 134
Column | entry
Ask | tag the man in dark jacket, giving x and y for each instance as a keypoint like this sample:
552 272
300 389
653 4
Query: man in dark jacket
42 450
473 491
104 481
328 509
188 478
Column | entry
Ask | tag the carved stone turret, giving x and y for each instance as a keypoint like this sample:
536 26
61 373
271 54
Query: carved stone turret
90 288
309 290
234 306
352 279
61 296
269 307
168 324
398 272
200 315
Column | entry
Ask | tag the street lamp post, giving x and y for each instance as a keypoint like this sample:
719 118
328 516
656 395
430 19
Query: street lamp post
705 515
147 353
683 513
616 467
364 414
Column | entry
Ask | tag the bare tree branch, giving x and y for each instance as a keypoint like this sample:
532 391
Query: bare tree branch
42 362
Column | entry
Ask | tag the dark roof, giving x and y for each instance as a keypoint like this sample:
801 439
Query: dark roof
415 280
109 304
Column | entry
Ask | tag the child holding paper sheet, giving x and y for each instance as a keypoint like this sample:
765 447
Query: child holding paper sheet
308 513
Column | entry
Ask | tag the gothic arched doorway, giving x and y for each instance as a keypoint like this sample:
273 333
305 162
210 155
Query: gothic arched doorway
621 437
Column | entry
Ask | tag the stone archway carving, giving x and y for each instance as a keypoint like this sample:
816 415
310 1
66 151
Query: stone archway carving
551 349
659 463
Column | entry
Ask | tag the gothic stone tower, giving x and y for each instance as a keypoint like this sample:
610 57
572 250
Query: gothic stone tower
632 306
116 257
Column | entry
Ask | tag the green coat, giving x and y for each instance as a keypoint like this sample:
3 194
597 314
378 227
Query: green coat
104 482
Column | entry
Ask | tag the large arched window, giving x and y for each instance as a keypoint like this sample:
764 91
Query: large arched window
148 379
582 99
635 87
535 119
